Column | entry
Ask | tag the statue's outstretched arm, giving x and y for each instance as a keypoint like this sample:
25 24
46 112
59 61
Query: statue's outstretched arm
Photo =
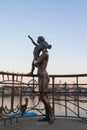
32 40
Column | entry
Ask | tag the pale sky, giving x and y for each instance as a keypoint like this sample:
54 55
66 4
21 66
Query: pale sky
63 23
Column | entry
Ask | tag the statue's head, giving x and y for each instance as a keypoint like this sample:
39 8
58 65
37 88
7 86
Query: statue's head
40 39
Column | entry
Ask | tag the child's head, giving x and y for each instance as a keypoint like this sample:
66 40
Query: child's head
40 39
43 43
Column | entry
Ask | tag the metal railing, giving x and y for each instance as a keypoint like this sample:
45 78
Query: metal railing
67 95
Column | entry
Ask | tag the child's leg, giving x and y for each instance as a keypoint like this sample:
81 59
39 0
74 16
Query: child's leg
32 69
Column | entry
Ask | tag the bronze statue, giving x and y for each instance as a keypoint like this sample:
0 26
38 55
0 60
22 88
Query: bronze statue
43 79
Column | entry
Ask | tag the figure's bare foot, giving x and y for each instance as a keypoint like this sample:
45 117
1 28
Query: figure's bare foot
51 120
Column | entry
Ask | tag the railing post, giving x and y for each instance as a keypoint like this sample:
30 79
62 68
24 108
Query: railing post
77 96
2 97
65 100
12 93
21 96
53 94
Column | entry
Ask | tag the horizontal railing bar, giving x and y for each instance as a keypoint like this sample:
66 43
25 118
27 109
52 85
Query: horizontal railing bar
23 74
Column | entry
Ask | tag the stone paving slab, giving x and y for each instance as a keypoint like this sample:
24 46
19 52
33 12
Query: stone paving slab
34 124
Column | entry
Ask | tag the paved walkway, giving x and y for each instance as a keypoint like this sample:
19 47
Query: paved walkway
32 123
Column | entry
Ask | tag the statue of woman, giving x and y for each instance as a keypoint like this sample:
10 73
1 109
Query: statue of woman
43 79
